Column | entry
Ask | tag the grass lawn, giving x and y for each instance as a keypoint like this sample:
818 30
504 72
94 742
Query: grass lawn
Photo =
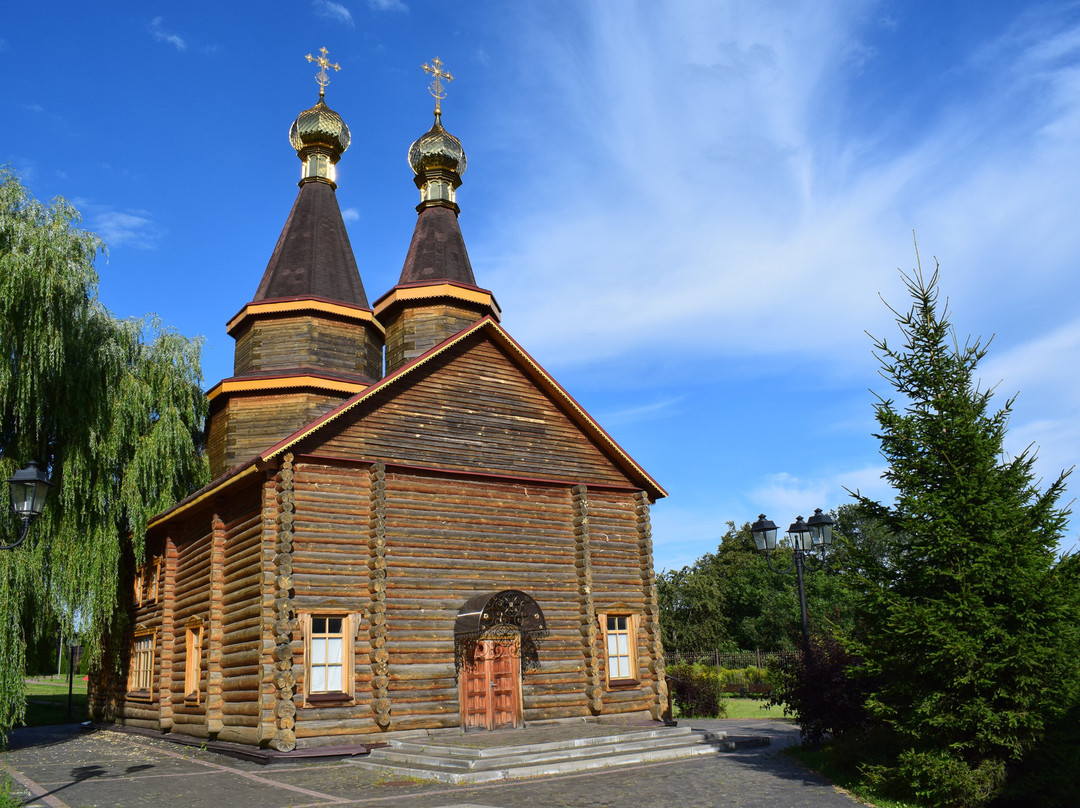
746 708
752 708
47 701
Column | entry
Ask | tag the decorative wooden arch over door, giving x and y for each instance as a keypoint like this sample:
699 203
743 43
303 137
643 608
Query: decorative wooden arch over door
495 638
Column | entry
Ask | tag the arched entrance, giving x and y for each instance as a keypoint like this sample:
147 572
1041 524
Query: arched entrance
495 638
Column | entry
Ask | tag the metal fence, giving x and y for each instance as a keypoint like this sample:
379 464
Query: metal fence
728 659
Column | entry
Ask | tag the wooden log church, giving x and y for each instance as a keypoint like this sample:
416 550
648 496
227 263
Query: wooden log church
411 524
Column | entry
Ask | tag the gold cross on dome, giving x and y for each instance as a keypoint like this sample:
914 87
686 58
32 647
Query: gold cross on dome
322 77
436 87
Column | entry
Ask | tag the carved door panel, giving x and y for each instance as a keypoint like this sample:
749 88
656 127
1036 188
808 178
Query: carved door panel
491 687
505 685
475 691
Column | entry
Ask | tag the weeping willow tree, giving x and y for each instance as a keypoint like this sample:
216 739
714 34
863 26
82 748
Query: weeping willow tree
113 409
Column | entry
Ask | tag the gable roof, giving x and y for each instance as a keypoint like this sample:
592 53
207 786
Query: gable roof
563 400
491 329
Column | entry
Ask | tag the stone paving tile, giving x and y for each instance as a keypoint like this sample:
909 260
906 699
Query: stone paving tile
110 769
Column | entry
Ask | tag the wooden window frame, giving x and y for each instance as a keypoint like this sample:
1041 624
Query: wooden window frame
155 568
193 639
136 671
145 587
633 624
350 625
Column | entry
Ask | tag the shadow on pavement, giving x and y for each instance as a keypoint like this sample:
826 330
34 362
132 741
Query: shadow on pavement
27 737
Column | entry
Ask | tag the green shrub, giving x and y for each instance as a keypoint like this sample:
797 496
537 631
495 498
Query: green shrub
696 691
741 676
817 690
937 778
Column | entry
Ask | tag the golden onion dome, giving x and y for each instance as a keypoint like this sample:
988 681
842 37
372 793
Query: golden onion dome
319 126
437 149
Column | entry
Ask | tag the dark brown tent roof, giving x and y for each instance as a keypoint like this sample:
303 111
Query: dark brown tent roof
437 251
313 257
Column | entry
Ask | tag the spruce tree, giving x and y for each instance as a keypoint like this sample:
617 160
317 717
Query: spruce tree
970 626
113 409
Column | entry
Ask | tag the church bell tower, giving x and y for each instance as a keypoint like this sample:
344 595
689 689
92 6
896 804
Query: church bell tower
308 339
436 295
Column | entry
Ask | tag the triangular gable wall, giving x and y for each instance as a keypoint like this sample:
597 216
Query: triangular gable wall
471 408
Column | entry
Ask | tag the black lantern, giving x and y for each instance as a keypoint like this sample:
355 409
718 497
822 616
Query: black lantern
799 535
804 537
29 487
821 529
764 532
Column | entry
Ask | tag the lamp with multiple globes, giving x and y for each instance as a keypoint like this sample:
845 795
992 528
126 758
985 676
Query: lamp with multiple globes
805 538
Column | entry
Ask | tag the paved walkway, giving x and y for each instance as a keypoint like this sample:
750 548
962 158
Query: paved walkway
61 766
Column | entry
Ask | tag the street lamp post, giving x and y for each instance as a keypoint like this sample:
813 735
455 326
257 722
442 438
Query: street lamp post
805 538
29 487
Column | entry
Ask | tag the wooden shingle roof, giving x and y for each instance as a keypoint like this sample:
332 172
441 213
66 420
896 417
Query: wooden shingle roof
313 256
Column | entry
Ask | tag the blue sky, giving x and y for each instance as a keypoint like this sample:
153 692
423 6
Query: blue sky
687 210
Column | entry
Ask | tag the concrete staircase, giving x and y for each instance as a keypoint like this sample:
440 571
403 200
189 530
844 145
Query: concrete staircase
430 759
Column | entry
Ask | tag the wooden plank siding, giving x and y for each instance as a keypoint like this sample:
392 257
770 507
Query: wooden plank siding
477 411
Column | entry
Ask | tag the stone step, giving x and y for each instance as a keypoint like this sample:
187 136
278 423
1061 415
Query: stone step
559 757
483 759
458 750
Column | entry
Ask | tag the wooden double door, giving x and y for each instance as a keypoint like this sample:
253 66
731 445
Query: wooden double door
491 686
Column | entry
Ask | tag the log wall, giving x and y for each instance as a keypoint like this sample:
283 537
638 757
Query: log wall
275 344
330 575
617 581
149 614
415 329
245 425
351 529
241 607
450 539
191 600
168 624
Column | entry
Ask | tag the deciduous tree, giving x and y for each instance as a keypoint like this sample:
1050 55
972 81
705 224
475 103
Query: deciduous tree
112 408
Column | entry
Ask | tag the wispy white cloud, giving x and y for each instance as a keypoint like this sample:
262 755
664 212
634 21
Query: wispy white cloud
350 215
646 412
785 495
333 11
161 35
717 190
387 5
120 228
731 189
